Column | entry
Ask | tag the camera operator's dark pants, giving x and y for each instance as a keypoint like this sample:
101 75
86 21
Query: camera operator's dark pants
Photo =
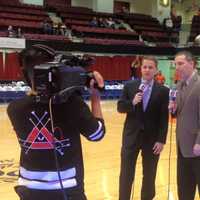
32 194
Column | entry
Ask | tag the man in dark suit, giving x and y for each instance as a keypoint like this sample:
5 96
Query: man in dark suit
187 109
145 103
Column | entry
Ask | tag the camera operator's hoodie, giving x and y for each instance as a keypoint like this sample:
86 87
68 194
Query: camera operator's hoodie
32 124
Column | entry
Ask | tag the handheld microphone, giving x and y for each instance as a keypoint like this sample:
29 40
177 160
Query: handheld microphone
172 94
172 97
141 87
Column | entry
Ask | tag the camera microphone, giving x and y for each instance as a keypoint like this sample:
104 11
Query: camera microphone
172 94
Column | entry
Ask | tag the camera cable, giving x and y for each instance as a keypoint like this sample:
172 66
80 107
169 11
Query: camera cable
55 153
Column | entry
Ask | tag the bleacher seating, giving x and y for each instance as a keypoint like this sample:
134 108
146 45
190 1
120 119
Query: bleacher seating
75 16
195 28
76 22
10 2
151 36
103 32
143 28
23 10
76 10
19 4
113 42
30 17
8 15
32 36
20 23
164 44
3 34
27 17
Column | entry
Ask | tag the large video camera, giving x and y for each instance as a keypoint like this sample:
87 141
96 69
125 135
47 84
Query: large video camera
60 78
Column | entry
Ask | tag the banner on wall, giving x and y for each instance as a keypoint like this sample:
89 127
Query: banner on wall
12 43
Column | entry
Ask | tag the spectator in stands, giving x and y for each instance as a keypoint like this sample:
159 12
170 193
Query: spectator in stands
168 26
173 12
198 12
19 33
47 27
55 28
160 78
93 22
61 29
125 10
176 19
110 23
122 13
68 31
11 32
101 23
120 24
136 68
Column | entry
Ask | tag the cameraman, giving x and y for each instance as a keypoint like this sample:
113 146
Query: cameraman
51 162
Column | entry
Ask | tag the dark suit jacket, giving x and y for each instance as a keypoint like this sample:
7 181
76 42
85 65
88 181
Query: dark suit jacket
153 122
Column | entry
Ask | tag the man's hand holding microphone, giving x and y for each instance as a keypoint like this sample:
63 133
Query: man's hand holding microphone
172 101
138 97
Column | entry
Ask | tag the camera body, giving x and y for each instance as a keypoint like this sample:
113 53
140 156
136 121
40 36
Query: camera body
60 79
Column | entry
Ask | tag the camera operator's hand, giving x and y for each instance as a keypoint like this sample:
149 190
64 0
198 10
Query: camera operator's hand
96 83
98 79
95 96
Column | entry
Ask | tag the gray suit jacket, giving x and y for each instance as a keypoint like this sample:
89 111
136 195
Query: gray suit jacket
188 116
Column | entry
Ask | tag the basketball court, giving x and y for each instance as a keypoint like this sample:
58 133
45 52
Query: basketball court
102 161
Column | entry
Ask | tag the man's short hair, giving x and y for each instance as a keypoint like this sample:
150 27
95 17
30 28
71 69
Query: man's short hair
152 58
188 55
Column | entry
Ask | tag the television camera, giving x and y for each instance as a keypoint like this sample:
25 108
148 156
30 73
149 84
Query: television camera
60 78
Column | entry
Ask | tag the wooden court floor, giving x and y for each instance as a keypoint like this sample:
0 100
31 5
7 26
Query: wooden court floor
102 161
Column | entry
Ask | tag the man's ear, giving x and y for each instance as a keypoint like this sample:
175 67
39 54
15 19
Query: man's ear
193 63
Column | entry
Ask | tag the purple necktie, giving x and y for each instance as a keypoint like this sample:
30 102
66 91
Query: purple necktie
146 95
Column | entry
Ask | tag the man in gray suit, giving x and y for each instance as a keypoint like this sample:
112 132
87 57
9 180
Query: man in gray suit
187 110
